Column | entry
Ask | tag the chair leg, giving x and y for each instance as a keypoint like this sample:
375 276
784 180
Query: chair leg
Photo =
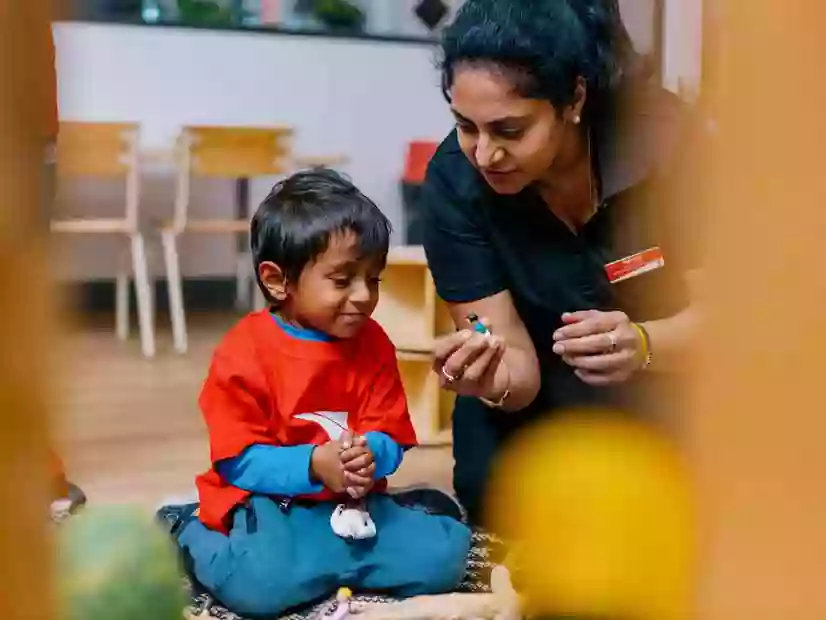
144 294
152 279
122 305
174 286
122 300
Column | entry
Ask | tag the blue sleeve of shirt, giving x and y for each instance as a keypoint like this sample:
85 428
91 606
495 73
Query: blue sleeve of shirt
285 470
271 470
387 454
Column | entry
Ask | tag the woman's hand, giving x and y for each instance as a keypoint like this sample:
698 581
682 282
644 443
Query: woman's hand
604 347
466 362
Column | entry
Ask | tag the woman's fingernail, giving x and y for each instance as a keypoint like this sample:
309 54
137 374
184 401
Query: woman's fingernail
559 349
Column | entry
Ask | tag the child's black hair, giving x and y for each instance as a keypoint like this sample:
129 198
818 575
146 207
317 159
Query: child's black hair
295 222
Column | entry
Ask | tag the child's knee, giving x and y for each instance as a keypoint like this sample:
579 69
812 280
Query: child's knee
440 565
449 564
252 590
207 554
247 580
262 568
267 584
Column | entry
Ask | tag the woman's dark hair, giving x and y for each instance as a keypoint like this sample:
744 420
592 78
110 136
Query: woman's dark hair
543 46
295 222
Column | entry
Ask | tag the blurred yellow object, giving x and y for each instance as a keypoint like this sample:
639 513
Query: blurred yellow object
600 513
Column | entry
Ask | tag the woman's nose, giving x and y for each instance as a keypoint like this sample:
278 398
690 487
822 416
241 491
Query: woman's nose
486 153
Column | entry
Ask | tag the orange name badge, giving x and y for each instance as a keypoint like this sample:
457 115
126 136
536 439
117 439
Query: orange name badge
635 265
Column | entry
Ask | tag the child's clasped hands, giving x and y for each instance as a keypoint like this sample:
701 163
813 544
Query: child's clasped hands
345 465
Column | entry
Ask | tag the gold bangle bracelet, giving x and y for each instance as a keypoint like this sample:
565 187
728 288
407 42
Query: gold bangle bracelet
647 356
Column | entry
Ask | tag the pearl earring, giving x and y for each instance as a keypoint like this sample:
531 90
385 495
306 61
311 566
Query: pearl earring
576 120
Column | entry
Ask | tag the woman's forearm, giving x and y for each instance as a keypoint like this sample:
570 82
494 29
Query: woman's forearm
518 375
672 338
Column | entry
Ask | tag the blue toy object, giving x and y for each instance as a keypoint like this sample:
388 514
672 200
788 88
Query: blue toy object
477 325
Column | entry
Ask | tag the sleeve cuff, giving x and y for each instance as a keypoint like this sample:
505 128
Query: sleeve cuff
386 452
306 463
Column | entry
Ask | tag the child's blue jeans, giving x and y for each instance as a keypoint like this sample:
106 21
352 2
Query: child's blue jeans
276 558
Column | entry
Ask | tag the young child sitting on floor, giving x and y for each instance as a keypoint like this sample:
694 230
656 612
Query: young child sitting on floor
307 417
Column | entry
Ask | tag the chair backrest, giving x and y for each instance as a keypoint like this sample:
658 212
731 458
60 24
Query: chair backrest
237 152
96 149
228 152
101 150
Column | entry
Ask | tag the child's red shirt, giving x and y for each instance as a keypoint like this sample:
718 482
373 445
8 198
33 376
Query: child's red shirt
263 383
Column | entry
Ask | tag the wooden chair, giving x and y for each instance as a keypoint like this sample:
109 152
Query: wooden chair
111 150
223 152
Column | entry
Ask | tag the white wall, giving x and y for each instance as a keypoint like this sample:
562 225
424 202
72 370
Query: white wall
638 16
683 40
363 99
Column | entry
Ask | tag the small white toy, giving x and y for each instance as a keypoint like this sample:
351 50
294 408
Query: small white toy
353 521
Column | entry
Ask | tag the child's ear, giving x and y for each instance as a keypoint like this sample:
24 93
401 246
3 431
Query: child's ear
274 280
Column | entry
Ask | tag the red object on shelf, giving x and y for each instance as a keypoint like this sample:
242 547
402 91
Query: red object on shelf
419 153
271 11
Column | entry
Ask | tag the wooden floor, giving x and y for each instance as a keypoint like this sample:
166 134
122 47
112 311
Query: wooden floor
129 429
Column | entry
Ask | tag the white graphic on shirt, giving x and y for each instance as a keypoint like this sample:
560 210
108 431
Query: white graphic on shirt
334 423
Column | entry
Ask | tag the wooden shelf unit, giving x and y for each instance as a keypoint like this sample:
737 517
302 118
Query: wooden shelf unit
414 316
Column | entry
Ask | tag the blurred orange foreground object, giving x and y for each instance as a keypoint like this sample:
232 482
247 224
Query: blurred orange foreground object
26 312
